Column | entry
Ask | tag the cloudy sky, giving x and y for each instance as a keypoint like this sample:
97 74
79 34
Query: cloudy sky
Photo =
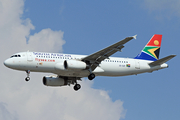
84 27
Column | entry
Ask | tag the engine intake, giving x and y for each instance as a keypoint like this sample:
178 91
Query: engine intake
54 81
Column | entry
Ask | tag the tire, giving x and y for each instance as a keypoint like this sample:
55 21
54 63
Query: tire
77 87
27 78
91 76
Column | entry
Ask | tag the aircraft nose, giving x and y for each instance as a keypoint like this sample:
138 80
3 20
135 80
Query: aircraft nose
7 63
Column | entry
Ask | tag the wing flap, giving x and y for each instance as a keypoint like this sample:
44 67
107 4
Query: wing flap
161 61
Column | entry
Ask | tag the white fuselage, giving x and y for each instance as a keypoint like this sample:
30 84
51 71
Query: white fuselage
47 62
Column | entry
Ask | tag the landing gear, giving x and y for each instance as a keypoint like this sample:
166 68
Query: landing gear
91 76
77 87
27 78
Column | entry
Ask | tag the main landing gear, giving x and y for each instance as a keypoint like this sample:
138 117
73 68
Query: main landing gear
91 76
28 73
77 87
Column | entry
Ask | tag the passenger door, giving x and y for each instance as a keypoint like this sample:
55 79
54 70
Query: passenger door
137 64
29 56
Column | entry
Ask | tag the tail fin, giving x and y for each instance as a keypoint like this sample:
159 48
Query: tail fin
152 49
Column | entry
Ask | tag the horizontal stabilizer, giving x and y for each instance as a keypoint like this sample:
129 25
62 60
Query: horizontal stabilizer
161 61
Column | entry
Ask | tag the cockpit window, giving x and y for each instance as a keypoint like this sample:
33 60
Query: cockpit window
15 56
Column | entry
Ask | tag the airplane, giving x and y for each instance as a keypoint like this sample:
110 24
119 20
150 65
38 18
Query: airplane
67 69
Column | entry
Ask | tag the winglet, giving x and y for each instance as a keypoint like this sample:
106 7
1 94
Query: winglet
134 36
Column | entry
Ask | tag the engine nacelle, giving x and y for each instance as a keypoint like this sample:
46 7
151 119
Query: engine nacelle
59 66
54 81
75 65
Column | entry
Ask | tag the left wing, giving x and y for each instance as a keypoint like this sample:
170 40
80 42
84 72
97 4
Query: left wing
95 59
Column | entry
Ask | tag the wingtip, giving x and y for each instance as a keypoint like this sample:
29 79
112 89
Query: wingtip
134 36
173 55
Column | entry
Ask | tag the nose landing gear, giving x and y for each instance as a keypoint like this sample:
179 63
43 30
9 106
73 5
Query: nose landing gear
27 78
28 73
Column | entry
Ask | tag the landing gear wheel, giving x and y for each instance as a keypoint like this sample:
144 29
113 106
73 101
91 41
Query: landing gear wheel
91 76
28 73
27 78
77 87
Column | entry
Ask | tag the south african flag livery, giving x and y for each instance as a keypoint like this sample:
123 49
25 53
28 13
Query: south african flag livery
152 49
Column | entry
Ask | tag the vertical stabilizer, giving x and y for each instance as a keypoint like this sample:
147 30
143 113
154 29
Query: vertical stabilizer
152 49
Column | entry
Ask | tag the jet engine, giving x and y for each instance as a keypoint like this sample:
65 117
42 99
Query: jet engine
75 64
54 81
59 66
